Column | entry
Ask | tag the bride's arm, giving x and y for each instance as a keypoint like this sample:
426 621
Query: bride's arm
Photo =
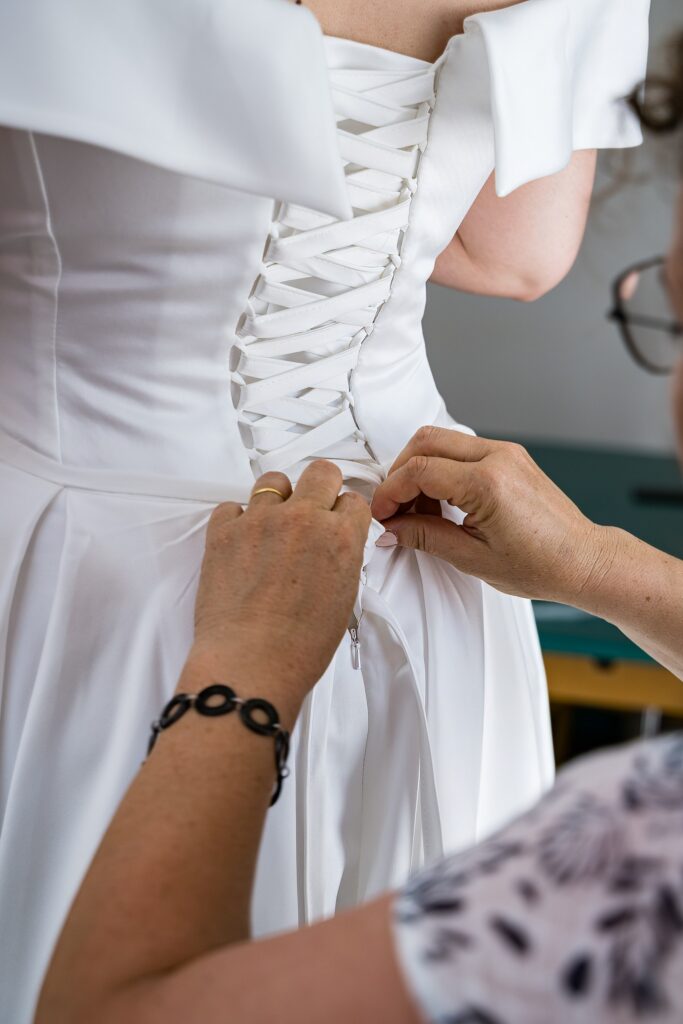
521 246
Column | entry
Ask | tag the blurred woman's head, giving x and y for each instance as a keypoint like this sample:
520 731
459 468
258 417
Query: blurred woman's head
660 108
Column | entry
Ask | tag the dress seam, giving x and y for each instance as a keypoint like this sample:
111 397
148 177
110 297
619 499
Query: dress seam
56 289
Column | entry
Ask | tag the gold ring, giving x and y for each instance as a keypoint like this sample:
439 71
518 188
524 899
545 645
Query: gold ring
269 490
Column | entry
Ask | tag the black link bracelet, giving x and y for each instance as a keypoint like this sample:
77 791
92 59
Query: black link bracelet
257 714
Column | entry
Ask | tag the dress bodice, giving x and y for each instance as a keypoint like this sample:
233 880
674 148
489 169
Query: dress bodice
155 321
131 291
120 284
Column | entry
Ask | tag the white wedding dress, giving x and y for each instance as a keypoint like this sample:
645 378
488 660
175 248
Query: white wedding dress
167 334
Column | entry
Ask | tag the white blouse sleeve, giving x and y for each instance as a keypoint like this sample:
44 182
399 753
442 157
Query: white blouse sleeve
572 913
232 92
558 72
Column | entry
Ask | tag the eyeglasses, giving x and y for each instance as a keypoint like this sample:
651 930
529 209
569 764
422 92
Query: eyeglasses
642 311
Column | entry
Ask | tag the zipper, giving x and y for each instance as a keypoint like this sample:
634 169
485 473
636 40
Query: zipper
355 642
356 619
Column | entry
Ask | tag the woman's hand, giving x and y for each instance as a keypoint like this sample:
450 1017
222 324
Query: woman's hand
279 580
524 536
521 534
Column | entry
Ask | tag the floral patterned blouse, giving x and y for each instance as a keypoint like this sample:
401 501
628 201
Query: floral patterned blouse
573 913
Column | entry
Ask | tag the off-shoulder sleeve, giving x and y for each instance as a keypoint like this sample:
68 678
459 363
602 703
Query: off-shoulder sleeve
232 92
558 72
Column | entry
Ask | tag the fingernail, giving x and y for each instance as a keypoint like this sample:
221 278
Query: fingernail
387 540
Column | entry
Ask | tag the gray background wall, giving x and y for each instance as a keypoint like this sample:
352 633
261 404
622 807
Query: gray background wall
555 370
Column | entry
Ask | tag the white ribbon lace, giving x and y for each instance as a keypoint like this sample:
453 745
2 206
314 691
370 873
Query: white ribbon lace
324 281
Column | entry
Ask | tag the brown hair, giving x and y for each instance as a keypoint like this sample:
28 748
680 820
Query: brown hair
658 102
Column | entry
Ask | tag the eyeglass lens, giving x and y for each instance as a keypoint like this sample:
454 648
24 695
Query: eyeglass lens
650 320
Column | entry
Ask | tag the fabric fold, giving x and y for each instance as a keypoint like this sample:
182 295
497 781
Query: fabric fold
209 88
558 72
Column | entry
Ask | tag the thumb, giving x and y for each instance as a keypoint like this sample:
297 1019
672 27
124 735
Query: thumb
435 536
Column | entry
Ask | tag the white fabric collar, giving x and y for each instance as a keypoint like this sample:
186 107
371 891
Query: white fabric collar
235 93
558 72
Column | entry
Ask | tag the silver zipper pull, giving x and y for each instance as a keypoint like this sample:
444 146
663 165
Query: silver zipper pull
355 647
355 627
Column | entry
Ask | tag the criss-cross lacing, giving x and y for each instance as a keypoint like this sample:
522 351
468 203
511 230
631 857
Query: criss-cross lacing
324 281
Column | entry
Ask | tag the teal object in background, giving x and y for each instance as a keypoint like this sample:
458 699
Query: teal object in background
605 485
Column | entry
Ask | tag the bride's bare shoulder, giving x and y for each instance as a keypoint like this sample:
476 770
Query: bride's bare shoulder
420 28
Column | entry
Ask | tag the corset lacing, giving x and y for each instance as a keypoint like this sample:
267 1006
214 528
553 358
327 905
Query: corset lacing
324 281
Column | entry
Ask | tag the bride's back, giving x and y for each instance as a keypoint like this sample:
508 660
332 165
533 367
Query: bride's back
142 275
420 28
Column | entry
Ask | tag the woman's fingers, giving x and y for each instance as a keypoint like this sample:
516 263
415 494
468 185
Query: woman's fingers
437 478
222 516
319 484
444 443
440 537
521 534
270 489
354 507
427 506
437 444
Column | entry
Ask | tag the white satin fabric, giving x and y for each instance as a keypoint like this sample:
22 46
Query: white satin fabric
218 90
165 335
